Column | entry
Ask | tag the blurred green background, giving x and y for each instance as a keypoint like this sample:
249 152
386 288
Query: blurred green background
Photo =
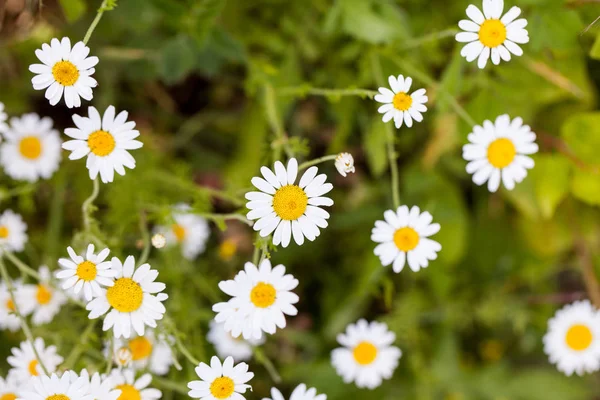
209 84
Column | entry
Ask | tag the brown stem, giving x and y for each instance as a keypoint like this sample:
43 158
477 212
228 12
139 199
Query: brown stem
589 274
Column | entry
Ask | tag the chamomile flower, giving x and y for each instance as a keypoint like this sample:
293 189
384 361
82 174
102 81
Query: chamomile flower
105 141
32 148
8 318
404 237
3 118
228 346
9 388
573 339
99 387
64 70
86 272
367 356
492 34
132 388
300 393
399 105
499 152
134 300
188 230
220 381
150 351
287 208
344 163
55 388
260 300
43 301
13 232
25 364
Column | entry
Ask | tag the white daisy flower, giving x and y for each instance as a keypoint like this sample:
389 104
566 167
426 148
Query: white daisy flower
498 151
300 393
220 381
400 105
133 301
491 33
344 163
368 356
25 364
32 148
9 388
149 351
573 339
13 232
188 230
287 208
131 388
404 236
99 387
55 388
65 70
3 118
260 300
43 300
8 318
86 272
105 141
228 346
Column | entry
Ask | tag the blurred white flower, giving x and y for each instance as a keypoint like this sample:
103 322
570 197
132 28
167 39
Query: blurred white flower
150 351
220 381
344 163
13 232
25 364
300 393
3 118
100 387
64 70
228 346
399 105
8 318
43 300
132 388
189 230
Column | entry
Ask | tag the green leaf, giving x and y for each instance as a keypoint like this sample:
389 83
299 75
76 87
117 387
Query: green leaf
581 132
373 22
177 59
550 178
586 186
595 51
73 9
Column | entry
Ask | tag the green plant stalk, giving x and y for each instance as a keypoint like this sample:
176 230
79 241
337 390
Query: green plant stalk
95 22
171 385
26 329
224 217
316 161
78 350
24 268
273 118
87 206
261 358
146 239
301 91
111 353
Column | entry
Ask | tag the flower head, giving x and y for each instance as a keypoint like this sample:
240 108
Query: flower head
99 387
189 230
300 393
260 298
8 318
105 141
367 356
220 381
42 300
133 301
13 232
151 351
492 34
573 339
498 152
25 364
344 163
287 208
132 388
9 388
404 236
64 70
399 105
228 346
55 388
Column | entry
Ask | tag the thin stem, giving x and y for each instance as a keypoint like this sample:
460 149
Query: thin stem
186 353
256 255
432 37
273 118
111 352
260 356
589 274
78 350
170 385
86 208
173 180
316 161
145 238
24 268
301 91
224 217
95 22
26 330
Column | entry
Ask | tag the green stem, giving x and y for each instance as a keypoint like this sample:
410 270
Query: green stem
224 217
256 255
260 357
24 268
78 350
25 189
432 37
26 330
273 118
87 207
111 352
95 22
301 91
170 385
188 186
145 238
316 161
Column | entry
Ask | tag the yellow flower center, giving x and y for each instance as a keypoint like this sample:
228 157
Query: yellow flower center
492 33
406 239
289 202
263 295
227 249
58 397
501 152
125 295
30 147
222 387
402 101
128 392
579 337
101 143
8 396
11 306
87 271
178 231
32 368
65 73
43 295
365 353
3 232
140 347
